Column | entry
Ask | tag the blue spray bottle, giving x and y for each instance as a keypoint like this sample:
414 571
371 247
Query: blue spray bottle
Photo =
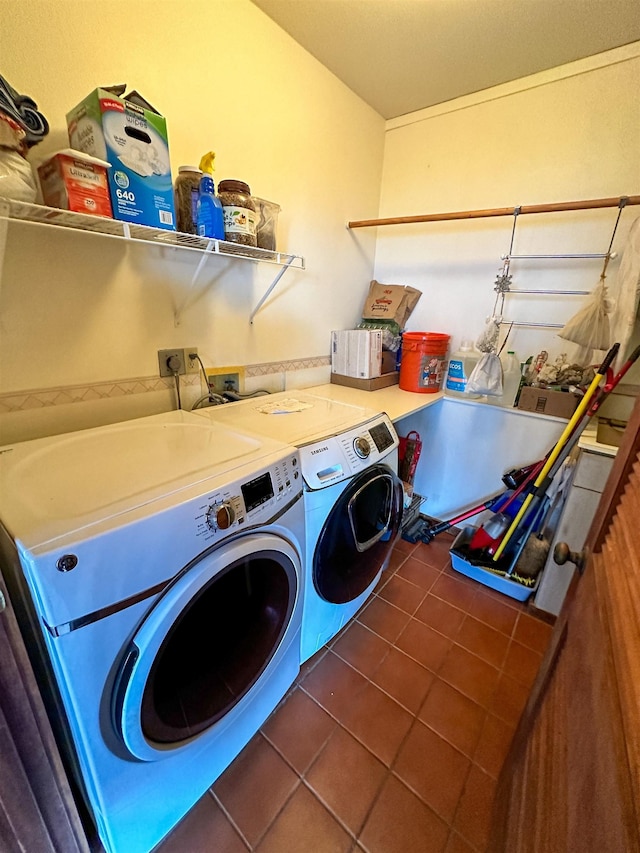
209 217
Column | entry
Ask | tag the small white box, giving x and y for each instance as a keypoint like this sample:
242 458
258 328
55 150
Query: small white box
357 353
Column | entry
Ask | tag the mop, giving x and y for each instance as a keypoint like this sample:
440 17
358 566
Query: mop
527 562
541 482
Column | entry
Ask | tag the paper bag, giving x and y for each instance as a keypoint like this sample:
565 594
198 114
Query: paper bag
390 302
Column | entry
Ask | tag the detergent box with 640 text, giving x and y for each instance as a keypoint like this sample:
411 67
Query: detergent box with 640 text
128 133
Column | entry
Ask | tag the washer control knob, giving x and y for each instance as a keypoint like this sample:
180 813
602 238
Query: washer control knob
220 516
361 447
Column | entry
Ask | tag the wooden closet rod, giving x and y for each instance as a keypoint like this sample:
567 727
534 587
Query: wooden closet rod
587 204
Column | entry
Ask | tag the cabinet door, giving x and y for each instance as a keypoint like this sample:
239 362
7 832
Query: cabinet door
572 778
589 478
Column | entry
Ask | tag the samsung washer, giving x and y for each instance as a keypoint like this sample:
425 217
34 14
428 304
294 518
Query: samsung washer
352 497
156 568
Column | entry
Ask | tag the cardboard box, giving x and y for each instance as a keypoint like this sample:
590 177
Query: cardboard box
561 404
374 384
357 353
133 139
71 180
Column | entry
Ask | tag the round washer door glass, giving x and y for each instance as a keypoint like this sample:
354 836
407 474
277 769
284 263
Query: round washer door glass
358 535
205 643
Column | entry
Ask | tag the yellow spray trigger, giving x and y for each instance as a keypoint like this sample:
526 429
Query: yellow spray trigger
207 162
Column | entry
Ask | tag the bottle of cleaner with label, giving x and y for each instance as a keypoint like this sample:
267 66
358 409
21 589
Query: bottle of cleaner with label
209 218
461 365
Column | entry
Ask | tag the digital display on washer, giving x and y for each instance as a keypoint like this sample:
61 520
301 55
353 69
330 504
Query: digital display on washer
381 436
257 491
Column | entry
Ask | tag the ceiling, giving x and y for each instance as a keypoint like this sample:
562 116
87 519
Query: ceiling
404 55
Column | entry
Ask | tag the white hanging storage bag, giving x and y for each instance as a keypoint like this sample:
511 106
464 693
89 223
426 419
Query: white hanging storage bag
486 376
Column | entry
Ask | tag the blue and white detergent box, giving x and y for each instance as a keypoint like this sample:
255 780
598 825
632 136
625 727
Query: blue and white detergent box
129 134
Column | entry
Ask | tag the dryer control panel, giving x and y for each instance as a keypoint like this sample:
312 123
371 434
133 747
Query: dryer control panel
254 501
339 457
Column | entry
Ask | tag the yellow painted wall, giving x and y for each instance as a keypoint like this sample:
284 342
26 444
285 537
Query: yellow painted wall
77 310
81 309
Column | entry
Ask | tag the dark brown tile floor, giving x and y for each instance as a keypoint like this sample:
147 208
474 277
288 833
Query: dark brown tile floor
392 738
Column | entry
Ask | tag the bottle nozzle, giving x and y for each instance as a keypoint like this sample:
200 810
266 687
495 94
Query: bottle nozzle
207 162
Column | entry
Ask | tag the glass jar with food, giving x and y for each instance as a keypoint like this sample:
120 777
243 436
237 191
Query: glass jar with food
239 212
186 197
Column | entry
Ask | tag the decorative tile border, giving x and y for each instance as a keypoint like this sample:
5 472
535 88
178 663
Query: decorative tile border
39 399
268 368
64 395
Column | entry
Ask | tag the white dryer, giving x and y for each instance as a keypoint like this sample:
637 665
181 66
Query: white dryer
352 497
157 569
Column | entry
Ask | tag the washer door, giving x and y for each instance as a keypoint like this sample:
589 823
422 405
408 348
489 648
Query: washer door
205 644
358 535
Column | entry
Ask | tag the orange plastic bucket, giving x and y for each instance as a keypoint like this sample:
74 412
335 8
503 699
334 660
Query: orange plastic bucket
424 361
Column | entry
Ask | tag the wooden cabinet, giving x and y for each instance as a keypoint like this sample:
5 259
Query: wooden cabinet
590 475
571 781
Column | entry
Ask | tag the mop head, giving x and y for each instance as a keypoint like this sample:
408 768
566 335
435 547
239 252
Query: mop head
534 555
527 568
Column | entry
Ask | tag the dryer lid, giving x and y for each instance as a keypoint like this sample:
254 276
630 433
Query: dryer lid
295 417
57 485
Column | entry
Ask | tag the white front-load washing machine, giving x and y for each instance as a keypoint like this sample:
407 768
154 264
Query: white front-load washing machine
156 566
352 497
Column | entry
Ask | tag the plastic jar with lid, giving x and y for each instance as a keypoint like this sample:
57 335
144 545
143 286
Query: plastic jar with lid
186 191
239 212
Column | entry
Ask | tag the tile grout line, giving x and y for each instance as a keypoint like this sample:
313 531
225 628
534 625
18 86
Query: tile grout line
229 818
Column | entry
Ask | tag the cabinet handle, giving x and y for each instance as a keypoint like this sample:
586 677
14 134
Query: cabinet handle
563 554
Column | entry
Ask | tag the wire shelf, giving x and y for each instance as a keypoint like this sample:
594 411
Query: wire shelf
41 215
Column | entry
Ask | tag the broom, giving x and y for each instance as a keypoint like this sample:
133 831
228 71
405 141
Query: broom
542 481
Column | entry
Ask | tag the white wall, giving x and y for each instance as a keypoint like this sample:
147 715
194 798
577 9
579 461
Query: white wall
80 310
568 134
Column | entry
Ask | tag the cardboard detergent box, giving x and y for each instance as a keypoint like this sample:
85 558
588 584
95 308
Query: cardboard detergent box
71 180
129 134
560 404
357 353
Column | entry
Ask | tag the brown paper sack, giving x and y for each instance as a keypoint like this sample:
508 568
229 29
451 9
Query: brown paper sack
390 302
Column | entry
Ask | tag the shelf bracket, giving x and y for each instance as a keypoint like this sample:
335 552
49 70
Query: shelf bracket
38 214
212 247
281 272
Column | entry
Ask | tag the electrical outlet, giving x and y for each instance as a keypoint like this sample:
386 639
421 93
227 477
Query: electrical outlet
192 364
220 382
183 364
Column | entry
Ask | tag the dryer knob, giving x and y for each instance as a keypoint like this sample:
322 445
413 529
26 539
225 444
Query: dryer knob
221 516
361 447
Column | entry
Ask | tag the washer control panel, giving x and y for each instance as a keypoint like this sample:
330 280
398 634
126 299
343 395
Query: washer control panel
251 501
339 457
